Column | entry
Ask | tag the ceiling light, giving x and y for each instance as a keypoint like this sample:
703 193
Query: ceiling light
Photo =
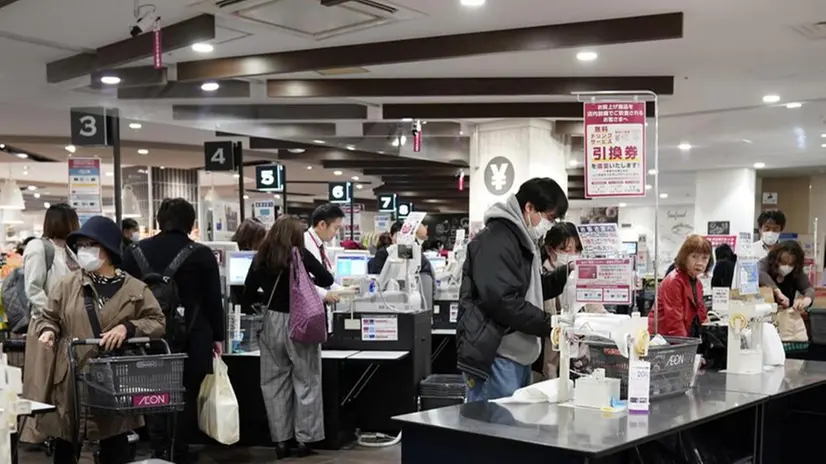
472 3
202 47
135 125
823 146
22 155
309 168
319 141
210 86
47 205
337 173
296 150
623 205
759 165
685 146
37 195
586 56
10 196
663 195
110 80
407 119
277 196
648 186
771 98
355 177
70 148
823 135
110 174
2 145
793 105
236 176
652 172
747 141
143 151
25 172
162 168
351 147
32 187
573 162
359 186
246 197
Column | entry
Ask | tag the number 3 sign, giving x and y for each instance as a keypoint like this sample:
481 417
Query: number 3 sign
90 127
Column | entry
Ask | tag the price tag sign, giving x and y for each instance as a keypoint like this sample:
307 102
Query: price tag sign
719 298
639 384
744 244
219 156
269 178
404 210
90 127
600 239
339 192
607 281
387 203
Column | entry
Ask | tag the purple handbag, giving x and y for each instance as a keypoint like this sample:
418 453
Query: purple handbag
308 320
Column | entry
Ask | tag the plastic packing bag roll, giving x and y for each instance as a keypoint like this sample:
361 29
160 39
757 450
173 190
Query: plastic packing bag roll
568 297
218 407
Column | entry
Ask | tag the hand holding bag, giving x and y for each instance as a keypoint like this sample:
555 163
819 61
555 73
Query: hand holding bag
218 407
308 320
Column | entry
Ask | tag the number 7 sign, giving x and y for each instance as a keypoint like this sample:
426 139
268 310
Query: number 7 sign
387 203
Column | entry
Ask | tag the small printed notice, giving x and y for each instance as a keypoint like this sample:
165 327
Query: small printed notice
352 324
744 244
379 329
600 239
639 384
454 312
719 298
749 277
608 281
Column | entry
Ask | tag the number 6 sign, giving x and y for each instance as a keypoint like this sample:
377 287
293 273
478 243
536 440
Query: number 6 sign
90 127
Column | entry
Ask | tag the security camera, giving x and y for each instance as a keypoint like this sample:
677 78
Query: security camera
144 23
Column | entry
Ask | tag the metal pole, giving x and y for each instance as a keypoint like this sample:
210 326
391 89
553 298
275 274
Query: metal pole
239 160
352 221
115 120
284 193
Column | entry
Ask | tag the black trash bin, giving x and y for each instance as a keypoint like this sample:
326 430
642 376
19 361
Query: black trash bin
441 390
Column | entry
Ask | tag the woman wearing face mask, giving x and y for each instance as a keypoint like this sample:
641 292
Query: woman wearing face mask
123 308
782 271
679 306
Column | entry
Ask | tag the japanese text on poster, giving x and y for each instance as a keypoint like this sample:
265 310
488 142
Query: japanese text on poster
615 149
379 329
717 240
607 281
599 239
84 187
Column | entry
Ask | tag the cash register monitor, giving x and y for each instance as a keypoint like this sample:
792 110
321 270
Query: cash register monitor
238 264
350 267
629 248
438 263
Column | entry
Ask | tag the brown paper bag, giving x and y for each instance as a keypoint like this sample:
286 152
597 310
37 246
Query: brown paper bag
790 326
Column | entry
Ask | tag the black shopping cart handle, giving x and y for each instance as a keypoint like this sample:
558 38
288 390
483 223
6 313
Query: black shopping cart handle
130 341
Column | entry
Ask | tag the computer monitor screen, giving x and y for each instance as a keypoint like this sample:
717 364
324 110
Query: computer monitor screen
438 263
351 265
239 265
629 248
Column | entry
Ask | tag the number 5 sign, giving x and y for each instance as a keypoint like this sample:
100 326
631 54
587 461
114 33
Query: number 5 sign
219 156
269 178
90 127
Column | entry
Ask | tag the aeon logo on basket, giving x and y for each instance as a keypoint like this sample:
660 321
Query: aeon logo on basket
152 399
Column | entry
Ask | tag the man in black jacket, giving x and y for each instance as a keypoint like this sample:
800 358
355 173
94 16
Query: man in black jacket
199 286
501 317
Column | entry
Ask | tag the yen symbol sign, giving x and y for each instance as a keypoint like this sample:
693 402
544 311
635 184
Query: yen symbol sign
499 175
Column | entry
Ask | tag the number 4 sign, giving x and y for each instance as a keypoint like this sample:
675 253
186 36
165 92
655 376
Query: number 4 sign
219 156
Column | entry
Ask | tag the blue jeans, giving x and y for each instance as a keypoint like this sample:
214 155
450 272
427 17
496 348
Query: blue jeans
505 378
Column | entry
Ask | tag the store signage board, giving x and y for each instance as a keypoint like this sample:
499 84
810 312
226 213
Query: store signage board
604 281
90 127
387 203
404 210
265 211
600 239
219 156
269 178
717 240
85 187
407 234
614 149
748 276
339 192
745 242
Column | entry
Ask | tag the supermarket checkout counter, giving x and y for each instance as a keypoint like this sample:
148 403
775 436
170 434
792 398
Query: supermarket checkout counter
742 414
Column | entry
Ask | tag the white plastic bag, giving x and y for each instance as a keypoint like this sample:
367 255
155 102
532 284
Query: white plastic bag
218 407
542 392
773 352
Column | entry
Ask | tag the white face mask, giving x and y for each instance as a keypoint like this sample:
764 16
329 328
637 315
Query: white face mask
540 229
785 269
136 236
89 258
770 238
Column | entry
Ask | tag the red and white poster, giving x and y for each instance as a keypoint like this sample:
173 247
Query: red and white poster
717 240
614 149
608 281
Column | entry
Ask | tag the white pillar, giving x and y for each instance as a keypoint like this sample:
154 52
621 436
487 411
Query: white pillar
725 195
506 153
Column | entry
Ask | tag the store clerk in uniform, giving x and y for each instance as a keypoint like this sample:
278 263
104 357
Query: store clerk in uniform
771 224
325 222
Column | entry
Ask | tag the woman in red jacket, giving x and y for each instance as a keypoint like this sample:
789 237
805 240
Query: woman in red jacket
679 303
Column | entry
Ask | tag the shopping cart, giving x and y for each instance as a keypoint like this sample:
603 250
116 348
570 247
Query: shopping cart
128 383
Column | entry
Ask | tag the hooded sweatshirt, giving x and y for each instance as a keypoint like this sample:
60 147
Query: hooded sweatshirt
519 347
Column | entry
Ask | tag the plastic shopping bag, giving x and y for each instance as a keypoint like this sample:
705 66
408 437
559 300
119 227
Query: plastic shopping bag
773 352
218 407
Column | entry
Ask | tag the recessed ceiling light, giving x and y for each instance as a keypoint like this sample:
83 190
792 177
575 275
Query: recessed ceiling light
407 119
2 145
759 165
337 173
355 177
47 205
623 205
70 148
22 155
296 150
25 172
277 196
135 125
747 141
771 98
162 168
573 162
236 176
653 172
359 186
351 147
823 135
793 105
319 141
37 195
143 151
586 56
648 186
309 168
685 146
663 195
32 187
472 3
110 80
110 174
246 197
823 145
210 86
202 47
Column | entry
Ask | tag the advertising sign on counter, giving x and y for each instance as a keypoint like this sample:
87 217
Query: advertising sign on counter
748 282
345 223
84 187
717 240
600 239
379 329
614 149
608 281
265 212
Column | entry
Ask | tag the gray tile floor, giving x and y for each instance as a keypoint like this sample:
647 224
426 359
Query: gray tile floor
356 455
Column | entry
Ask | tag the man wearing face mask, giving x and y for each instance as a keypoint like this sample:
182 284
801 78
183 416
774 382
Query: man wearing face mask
501 319
771 224
131 232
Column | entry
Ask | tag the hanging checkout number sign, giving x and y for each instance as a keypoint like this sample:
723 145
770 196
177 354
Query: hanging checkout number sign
91 127
269 178
614 149
220 156
339 192
387 203
404 210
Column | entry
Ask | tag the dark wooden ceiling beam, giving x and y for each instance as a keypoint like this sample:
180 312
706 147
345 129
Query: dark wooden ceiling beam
589 33
330 88
263 112
445 171
175 36
183 90
131 77
388 162
566 110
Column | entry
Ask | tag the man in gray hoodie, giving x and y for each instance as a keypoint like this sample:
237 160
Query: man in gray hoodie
501 319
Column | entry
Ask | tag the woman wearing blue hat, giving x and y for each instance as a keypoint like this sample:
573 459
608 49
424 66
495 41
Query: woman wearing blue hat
123 308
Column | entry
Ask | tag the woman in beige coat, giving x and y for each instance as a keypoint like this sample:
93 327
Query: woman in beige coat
125 308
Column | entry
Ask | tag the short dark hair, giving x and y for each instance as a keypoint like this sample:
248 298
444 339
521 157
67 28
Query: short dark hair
61 220
725 253
176 214
396 227
773 215
575 234
544 194
328 213
129 224
557 236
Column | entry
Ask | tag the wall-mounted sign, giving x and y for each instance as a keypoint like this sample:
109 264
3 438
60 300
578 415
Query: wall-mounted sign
499 175
219 156
269 178
404 210
90 127
719 227
769 198
340 192
614 149
387 203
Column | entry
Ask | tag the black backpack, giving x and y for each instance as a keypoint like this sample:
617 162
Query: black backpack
163 286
